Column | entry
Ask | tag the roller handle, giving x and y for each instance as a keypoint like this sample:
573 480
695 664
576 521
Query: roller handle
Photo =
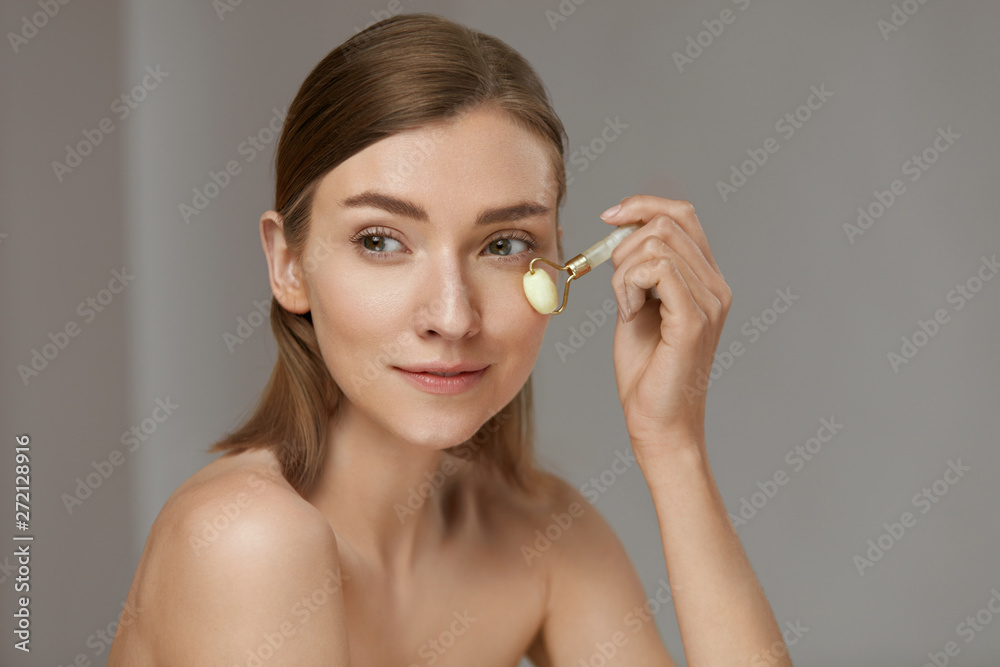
601 251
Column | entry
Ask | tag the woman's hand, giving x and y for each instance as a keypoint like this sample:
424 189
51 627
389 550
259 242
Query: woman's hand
664 349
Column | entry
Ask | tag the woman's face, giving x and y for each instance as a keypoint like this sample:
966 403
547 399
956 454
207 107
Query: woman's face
416 252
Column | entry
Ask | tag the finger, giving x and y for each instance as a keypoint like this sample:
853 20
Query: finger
654 260
638 274
664 229
708 301
646 207
662 273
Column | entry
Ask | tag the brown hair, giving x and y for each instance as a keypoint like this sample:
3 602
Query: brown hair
401 73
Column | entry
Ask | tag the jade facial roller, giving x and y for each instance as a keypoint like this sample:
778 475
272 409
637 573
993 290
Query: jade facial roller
541 291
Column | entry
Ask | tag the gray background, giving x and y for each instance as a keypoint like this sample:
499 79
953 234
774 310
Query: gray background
826 356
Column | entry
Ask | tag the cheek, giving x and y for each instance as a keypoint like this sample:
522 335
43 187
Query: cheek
361 316
359 300
357 318
512 317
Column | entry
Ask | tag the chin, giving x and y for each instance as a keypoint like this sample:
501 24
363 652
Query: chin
443 426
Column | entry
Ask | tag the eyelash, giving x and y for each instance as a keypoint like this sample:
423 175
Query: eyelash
384 233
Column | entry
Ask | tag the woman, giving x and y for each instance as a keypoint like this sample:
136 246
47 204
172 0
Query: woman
377 508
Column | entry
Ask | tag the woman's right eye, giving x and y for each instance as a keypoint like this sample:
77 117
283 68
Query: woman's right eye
373 242
377 242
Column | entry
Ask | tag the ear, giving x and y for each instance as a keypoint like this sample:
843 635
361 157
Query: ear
282 266
560 229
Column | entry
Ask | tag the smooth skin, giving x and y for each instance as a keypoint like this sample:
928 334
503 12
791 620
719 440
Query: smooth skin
238 567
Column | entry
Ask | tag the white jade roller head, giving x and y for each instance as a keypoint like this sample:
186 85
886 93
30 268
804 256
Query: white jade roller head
541 291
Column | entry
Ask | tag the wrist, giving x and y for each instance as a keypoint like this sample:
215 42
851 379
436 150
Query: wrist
668 443
683 453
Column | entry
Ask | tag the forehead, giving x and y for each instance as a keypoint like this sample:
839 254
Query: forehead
479 159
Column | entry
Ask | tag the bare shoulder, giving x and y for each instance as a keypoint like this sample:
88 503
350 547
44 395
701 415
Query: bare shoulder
592 587
579 543
229 559
244 503
549 525
566 521
505 508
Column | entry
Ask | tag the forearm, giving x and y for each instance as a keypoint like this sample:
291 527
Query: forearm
723 614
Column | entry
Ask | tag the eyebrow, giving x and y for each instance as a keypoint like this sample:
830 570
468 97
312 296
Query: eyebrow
403 207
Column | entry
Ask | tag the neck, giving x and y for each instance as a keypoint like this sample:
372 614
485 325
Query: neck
386 499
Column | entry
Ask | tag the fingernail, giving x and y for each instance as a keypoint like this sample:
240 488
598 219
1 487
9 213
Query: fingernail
621 315
611 212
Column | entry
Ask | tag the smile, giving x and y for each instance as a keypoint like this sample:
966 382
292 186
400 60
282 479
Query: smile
443 383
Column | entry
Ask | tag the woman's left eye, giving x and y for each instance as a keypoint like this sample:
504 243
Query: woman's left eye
503 244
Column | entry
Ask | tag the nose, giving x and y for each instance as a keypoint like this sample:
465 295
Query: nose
448 306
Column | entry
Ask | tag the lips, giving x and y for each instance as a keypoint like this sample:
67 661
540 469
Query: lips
445 369
444 381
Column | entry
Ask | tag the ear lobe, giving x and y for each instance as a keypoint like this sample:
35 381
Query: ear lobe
282 265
